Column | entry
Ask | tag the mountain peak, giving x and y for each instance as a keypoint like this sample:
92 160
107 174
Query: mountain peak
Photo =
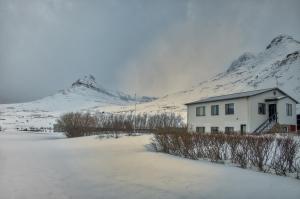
280 39
87 81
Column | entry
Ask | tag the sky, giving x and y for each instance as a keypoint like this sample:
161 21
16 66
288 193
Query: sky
152 47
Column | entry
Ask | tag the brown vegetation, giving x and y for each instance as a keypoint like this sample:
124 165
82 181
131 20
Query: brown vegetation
83 124
265 153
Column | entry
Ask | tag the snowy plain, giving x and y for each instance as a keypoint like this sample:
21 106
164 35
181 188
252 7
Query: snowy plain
34 166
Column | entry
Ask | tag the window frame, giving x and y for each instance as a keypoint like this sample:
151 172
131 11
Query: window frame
229 127
200 127
214 127
198 114
263 108
217 110
289 109
227 112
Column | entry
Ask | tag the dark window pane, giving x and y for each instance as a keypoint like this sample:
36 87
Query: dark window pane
229 109
262 108
289 109
229 129
215 110
200 111
200 129
214 129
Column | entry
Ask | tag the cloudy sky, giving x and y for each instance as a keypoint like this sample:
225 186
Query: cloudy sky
149 47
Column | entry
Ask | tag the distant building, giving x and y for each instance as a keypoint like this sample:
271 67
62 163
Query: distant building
246 112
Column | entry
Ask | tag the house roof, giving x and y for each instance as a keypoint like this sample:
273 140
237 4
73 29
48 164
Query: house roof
238 95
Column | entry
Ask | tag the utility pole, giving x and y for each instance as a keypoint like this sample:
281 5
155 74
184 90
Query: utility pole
134 123
277 83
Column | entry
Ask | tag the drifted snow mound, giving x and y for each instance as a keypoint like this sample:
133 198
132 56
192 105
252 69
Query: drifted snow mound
278 65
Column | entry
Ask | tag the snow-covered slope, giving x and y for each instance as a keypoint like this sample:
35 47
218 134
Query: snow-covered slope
276 66
84 94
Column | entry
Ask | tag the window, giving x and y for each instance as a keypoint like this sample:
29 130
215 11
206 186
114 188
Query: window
229 109
289 109
229 129
261 108
200 129
215 110
200 111
214 129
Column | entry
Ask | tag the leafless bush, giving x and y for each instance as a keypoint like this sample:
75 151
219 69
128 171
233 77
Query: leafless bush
260 151
187 146
201 144
297 167
217 148
82 124
285 154
239 146
76 124
267 153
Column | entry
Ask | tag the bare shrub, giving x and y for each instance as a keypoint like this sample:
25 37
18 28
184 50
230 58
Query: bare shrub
201 144
76 124
267 153
216 149
297 167
83 124
187 146
260 151
285 155
242 152
160 143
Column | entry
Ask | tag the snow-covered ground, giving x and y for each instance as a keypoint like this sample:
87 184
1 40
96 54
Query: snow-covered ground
34 166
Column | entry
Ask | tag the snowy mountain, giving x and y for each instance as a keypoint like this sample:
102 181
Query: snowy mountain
276 66
84 94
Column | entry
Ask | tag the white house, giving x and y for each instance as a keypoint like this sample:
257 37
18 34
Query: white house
246 112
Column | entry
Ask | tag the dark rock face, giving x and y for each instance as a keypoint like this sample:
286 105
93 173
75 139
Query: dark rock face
290 58
280 39
240 61
89 81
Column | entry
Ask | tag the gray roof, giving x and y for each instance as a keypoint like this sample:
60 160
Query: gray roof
238 95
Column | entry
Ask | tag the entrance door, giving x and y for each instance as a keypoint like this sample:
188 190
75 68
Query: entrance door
243 129
272 110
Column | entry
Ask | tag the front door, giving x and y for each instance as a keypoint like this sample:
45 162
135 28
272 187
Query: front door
243 129
272 110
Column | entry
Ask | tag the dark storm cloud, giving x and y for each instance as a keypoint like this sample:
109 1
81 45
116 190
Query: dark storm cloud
132 45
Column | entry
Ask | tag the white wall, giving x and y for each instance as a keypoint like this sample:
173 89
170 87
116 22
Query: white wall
239 117
257 119
282 116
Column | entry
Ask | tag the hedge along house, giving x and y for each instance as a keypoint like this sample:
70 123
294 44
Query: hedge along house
254 111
